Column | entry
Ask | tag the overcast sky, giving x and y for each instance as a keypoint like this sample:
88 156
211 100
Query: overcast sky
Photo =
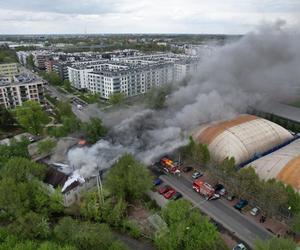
143 16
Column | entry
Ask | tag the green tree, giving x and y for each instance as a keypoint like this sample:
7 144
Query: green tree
293 199
14 149
21 169
116 98
22 191
94 130
64 109
53 78
6 119
31 226
103 208
67 85
295 226
31 117
187 229
272 197
128 179
156 97
249 184
7 55
275 244
197 152
46 146
85 235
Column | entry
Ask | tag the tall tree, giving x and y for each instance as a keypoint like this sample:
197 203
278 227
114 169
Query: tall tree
85 235
295 225
14 149
187 229
197 152
94 130
275 244
6 119
53 78
32 117
128 179
156 97
46 146
116 98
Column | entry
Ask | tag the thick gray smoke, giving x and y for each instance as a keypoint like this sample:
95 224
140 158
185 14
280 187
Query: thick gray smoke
262 65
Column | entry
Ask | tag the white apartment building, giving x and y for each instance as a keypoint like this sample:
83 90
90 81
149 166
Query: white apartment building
78 77
23 56
20 89
131 75
109 78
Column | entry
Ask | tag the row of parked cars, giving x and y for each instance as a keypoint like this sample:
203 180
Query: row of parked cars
167 191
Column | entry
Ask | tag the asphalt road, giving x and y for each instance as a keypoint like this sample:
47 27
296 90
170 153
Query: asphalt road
234 221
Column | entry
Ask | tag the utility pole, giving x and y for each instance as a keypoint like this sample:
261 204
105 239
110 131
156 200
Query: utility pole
99 186
100 182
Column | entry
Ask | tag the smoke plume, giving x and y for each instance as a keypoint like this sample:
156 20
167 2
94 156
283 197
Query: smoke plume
262 65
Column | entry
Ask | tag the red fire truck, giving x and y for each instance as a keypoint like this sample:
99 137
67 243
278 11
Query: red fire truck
203 188
169 165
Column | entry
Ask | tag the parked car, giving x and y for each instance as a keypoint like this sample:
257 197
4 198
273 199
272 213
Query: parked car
196 175
240 246
255 211
157 182
164 189
222 192
176 196
219 188
168 195
187 169
214 197
241 204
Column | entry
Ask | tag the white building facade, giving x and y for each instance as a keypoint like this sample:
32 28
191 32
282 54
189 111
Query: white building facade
131 76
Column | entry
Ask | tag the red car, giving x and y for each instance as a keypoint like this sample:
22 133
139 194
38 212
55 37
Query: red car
164 189
170 193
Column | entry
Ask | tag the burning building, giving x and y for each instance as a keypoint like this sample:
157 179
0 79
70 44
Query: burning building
72 185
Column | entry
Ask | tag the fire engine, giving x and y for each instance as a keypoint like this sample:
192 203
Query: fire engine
169 165
203 188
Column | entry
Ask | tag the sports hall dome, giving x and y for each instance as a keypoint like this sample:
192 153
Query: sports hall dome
242 137
283 165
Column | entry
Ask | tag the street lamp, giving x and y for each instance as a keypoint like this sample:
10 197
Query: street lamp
289 208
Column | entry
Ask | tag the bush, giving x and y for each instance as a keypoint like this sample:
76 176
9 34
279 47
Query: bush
132 228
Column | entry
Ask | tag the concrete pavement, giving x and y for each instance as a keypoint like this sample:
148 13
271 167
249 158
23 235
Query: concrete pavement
239 225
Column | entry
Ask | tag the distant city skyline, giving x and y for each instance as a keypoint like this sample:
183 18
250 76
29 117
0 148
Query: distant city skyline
143 16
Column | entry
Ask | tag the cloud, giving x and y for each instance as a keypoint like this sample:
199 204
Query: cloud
143 16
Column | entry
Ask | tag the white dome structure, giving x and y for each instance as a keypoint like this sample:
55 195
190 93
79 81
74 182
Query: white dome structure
242 137
283 165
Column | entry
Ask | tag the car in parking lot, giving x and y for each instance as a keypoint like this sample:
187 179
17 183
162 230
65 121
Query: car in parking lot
240 246
176 196
196 175
241 204
157 182
254 211
168 195
219 188
164 189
